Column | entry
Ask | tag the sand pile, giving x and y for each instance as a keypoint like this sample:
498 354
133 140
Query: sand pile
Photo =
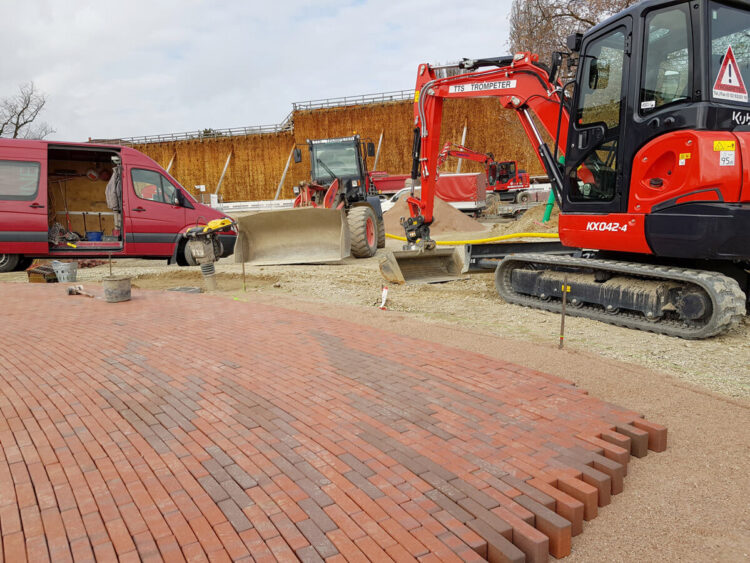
529 222
447 219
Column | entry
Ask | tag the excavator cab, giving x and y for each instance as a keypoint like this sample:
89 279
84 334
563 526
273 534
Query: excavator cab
657 137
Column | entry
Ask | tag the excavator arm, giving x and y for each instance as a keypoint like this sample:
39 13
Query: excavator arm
519 82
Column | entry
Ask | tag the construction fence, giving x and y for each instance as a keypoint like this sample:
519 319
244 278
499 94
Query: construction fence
259 154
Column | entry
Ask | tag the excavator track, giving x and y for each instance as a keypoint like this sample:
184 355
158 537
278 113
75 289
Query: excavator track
720 301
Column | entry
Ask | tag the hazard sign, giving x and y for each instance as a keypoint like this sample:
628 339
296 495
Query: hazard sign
729 84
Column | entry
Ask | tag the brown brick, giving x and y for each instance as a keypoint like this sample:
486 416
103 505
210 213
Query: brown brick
657 434
565 505
499 548
638 439
617 439
554 526
611 451
481 513
528 539
583 492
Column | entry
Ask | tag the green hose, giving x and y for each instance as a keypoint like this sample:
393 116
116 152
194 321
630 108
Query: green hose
551 198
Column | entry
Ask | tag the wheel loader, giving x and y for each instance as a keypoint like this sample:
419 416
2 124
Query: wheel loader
336 212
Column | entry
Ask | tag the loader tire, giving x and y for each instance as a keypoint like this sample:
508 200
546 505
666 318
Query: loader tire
363 229
381 233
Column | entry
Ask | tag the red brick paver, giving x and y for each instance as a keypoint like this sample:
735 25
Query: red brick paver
180 426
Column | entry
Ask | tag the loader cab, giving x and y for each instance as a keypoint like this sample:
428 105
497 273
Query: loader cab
654 69
341 158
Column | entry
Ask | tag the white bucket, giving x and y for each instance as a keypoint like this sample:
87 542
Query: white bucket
65 271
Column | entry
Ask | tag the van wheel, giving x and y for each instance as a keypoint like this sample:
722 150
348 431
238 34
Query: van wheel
9 262
363 226
381 233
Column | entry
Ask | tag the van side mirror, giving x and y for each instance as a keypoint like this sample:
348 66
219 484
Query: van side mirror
370 149
297 156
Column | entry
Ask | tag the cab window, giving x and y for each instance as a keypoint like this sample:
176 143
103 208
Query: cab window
668 60
19 181
600 103
152 186
730 30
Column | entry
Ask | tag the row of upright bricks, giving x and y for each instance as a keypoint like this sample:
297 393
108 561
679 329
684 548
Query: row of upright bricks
526 520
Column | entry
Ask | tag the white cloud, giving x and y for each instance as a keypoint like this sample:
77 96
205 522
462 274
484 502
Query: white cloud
136 67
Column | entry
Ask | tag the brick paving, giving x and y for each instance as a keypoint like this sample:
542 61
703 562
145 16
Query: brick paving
180 426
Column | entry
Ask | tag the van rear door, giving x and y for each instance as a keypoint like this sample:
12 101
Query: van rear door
23 198
155 216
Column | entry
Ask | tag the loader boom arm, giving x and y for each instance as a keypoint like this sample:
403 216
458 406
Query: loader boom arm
519 83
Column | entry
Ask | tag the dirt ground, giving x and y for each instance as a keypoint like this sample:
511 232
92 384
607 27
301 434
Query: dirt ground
687 504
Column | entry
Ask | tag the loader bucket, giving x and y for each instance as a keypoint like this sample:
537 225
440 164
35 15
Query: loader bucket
424 266
304 235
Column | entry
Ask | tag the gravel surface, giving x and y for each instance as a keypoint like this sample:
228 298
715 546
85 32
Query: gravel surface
720 364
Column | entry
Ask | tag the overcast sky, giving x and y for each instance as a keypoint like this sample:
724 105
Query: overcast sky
137 67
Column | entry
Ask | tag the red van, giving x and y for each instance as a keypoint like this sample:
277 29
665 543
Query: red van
76 200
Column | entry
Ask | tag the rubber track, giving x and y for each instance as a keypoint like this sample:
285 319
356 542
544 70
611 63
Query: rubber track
727 299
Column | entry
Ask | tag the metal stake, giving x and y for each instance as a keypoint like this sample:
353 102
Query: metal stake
110 264
463 142
283 176
565 290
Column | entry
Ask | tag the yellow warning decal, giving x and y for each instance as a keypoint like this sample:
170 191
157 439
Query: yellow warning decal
416 95
724 146
684 155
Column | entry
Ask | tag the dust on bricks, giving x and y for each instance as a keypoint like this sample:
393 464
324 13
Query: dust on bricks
141 432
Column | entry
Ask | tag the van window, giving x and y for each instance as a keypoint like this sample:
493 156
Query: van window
152 186
19 181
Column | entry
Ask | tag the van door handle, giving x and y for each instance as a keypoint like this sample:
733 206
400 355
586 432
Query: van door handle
139 209
36 205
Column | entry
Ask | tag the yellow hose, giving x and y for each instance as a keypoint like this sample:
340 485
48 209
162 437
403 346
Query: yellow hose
481 240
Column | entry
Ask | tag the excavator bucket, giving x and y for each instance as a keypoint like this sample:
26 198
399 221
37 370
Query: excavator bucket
304 235
424 266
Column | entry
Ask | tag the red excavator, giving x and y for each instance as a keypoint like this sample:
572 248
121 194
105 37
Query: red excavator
505 181
654 191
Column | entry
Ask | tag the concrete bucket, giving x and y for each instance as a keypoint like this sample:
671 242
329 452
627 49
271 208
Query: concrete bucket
304 235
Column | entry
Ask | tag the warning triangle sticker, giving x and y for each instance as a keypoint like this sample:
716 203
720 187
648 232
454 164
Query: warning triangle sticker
729 84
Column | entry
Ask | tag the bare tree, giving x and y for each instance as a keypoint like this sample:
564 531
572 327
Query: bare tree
19 114
541 26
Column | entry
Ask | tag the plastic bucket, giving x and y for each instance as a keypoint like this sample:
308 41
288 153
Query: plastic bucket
94 235
116 288
65 271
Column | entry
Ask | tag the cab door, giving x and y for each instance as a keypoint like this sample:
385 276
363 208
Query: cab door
154 214
23 198
594 160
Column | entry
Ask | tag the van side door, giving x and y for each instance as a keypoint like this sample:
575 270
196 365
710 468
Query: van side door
154 213
23 198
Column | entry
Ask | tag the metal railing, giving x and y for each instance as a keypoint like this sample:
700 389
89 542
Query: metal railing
286 125
395 96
